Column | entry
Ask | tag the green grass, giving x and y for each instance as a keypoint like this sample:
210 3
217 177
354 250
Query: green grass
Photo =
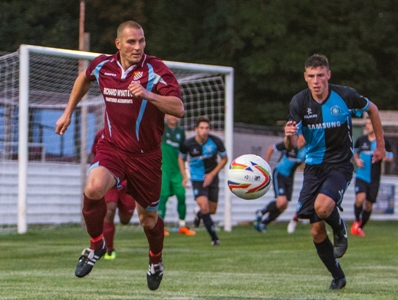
247 265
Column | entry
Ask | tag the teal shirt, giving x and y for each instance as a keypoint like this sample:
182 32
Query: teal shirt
171 140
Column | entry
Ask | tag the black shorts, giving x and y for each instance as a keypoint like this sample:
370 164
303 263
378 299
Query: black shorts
283 186
370 189
331 180
211 191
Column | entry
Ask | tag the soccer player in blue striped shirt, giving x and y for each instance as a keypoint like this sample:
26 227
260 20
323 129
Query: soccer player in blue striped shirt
367 179
322 114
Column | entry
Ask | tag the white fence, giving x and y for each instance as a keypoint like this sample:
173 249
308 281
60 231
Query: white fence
54 197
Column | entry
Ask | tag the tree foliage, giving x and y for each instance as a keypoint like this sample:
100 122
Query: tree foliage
266 41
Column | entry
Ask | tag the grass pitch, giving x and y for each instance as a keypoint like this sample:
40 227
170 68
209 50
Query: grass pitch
247 265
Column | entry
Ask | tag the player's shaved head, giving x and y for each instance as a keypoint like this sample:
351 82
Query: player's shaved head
126 24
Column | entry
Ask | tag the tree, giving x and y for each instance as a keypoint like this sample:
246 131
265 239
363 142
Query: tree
41 23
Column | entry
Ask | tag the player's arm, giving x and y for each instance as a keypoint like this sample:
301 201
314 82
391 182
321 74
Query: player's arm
291 136
269 152
358 162
357 154
301 141
213 173
80 88
380 151
389 154
170 105
181 164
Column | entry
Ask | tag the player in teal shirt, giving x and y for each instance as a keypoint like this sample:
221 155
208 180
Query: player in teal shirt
173 137
203 150
367 177
322 113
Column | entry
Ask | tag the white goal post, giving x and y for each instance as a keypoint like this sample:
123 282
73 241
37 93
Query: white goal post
45 79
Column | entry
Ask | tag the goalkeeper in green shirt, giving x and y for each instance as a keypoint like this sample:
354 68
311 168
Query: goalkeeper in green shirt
173 137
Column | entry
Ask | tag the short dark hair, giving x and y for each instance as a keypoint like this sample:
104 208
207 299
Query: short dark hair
316 60
202 119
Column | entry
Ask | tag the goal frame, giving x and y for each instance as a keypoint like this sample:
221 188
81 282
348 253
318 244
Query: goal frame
25 50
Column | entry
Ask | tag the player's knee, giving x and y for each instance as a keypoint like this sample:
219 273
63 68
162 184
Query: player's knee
323 210
282 207
181 198
322 213
110 215
125 218
212 211
148 222
125 221
93 194
94 191
368 206
359 199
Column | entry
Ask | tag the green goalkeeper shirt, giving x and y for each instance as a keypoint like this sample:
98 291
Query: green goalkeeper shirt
171 140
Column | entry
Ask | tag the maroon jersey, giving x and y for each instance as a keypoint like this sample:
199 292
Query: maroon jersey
132 124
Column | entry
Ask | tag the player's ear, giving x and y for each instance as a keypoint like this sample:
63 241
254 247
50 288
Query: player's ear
329 74
117 43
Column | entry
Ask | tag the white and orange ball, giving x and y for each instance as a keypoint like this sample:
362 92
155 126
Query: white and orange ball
249 177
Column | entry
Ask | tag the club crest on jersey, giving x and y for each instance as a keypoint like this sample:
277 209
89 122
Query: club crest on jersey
335 110
138 75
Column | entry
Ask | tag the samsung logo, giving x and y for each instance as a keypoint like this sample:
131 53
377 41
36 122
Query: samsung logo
173 144
324 125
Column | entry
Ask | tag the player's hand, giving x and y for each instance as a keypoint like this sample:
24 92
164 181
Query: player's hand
291 128
137 90
62 125
379 154
208 179
185 183
359 162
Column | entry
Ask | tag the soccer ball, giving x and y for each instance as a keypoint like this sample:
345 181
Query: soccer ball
249 177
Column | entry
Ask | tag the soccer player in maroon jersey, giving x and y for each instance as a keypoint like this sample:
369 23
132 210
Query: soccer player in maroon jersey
138 90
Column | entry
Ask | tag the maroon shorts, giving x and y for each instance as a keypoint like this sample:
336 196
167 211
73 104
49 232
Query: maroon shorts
142 172
125 202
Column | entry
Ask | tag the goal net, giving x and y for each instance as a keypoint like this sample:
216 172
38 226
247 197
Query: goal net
41 173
